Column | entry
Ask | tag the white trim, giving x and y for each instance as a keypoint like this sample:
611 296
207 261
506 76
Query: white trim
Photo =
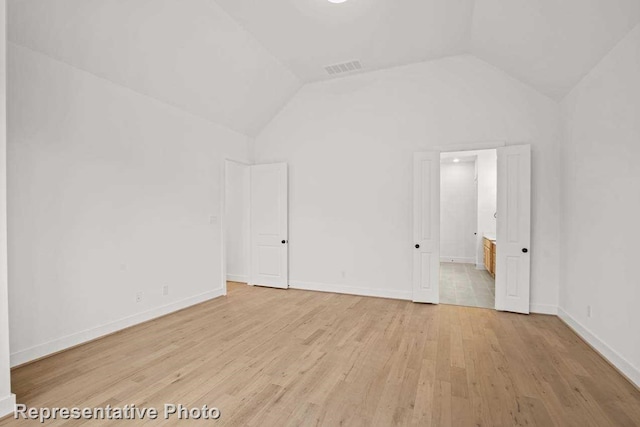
457 260
624 366
351 290
238 278
223 227
481 267
469 146
7 405
388 293
45 349
543 309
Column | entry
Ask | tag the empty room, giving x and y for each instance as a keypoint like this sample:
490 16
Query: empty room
320 212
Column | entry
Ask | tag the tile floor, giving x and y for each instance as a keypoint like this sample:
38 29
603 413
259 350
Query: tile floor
463 284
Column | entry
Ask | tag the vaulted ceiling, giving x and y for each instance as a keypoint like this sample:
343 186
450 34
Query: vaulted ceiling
307 35
548 44
237 62
189 54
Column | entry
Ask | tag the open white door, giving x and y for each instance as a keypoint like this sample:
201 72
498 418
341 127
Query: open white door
426 227
269 225
513 229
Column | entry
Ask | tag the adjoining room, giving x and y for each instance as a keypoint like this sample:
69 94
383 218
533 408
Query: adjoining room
319 213
469 181
236 221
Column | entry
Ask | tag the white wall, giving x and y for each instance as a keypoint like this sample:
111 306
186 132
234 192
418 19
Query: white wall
601 206
349 144
458 211
7 400
487 165
237 221
111 193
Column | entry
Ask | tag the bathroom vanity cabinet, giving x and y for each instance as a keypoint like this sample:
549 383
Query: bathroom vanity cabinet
490 255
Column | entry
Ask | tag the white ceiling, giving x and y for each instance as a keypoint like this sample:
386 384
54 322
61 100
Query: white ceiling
307 35
548 44
189 54
237 62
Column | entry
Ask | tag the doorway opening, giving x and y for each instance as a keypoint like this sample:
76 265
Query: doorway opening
513 227
236 257
468 225
255 224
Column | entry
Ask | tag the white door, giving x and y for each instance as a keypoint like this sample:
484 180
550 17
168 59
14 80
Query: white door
513 229
426 227
269 225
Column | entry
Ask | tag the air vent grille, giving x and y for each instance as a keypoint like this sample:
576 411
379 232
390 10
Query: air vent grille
345 67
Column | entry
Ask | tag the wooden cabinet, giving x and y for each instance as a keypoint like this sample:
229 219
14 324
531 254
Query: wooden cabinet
490 256
493 259
487 255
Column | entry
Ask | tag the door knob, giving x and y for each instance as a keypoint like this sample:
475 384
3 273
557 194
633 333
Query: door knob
525 250
417 246
284 242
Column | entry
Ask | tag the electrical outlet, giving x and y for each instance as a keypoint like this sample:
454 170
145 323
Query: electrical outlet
213 220
588 311
139 297
165 291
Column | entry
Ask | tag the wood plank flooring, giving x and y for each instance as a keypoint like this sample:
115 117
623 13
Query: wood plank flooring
270 357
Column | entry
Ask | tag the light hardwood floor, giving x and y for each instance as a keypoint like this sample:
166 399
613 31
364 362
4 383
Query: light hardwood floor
270 357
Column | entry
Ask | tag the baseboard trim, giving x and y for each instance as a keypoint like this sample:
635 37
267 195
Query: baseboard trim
543 309
39 351
237 278
387 293
7 405
610 355
457 260
351 290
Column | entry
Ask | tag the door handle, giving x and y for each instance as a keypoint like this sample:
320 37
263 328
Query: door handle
417 246
525 250
284 242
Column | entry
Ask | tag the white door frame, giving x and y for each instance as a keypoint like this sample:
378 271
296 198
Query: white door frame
223 221
471 146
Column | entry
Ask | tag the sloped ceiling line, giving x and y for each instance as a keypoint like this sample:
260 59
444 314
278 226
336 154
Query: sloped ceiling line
238 62
168 103
190 55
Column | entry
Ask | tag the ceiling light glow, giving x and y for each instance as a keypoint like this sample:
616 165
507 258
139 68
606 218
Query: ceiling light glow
337 1
456 160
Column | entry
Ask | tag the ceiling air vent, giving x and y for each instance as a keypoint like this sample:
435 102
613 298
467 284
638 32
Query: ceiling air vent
345 67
